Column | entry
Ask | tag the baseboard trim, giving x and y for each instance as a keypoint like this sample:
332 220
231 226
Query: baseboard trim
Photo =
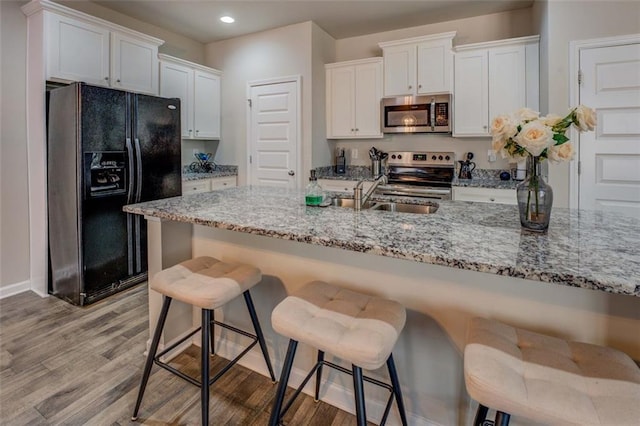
332 393
13 289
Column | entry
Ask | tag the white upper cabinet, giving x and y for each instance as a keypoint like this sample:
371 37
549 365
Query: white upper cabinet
420 65
206 112
493 78
80 47
198 88
134 64
354 90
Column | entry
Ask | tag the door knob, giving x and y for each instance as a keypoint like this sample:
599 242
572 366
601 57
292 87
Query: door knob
291 173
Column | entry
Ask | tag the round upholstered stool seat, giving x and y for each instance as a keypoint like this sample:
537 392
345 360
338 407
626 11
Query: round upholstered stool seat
205 282
549 380
355 327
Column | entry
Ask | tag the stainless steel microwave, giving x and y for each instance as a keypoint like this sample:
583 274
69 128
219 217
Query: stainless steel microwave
416 114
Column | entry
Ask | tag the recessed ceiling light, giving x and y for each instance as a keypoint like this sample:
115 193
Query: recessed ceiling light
227 20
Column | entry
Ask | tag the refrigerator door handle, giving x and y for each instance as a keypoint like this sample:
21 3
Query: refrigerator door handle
130 177
138 171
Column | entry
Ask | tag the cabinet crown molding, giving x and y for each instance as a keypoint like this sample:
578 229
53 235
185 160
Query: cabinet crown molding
164 57
373 60
36 6
496 43
439 36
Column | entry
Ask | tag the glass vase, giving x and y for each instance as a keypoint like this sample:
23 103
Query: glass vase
535 198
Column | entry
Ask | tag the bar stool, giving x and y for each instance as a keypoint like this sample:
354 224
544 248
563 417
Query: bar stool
548 380
206 283
355 327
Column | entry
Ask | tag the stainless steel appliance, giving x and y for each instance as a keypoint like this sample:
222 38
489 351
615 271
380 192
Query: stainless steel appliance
420 174
416 114
106 148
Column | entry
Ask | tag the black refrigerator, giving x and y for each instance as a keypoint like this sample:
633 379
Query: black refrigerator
105 148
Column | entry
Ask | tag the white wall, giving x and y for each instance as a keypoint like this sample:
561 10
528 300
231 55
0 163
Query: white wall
568 21
14 205
281 52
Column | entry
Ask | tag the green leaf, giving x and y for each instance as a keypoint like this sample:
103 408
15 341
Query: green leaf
560 138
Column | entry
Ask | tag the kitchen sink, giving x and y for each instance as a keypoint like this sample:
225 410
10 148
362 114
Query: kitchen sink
348 203
387 206
406 208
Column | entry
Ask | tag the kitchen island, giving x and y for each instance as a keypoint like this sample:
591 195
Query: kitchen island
580 281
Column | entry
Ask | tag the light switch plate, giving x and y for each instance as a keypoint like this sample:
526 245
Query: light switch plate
491 155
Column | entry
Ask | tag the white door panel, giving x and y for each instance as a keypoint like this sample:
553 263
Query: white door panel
274 134
610 156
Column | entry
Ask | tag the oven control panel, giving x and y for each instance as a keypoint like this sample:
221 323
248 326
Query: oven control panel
423 158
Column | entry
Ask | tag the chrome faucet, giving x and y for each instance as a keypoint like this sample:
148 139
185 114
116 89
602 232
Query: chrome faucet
359 199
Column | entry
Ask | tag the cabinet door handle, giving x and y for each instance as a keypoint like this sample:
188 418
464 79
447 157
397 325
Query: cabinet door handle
410 87
492 199
291 173
419 86
118 80
357 130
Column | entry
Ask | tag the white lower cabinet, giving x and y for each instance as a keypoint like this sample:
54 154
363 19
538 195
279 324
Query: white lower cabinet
223 182
196 186
485 195
337 185
206 185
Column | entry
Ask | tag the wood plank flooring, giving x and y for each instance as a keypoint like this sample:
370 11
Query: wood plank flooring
65 365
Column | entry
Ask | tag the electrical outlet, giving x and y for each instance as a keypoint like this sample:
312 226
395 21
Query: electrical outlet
491 155
354 153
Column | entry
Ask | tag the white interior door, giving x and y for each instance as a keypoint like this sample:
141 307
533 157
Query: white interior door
610 156
273 134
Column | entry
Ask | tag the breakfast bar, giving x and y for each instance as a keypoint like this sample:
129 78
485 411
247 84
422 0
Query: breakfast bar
579 281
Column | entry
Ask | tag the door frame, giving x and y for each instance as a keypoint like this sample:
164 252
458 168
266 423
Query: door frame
575 47
297 79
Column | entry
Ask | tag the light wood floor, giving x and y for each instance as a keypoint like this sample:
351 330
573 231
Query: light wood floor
62 364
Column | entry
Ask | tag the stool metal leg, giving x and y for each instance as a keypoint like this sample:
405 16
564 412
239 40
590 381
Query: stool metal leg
481 415
502 419
319 375
204 365
259 335
152 353
358 387
212 334
282 386
391 366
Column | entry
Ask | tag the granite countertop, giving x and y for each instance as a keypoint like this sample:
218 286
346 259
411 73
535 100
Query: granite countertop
219 171
486 178
587 249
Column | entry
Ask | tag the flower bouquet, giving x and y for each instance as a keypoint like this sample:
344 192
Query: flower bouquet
526 135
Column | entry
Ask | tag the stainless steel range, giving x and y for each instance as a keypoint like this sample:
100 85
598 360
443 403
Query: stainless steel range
420 174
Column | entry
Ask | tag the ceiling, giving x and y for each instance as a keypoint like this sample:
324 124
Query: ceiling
199 19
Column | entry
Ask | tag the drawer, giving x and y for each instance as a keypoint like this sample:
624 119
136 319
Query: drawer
223 182
195 186
485 195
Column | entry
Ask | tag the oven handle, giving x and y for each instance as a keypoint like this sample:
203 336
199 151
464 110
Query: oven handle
433 114
415 192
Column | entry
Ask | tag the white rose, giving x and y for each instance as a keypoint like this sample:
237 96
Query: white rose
535 137
559 153
551 119
498 143
503 127
586 118
526 114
